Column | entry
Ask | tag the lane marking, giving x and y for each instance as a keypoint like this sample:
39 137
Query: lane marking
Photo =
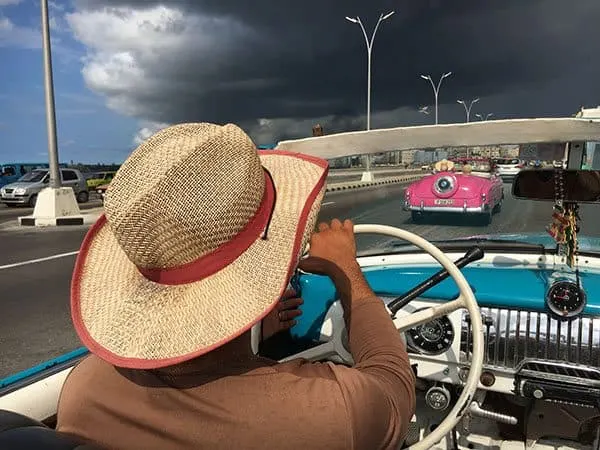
34 261
327 203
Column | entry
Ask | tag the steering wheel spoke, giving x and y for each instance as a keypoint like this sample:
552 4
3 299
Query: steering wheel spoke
408 321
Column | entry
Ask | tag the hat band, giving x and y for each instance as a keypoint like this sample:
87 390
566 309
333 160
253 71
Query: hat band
224 255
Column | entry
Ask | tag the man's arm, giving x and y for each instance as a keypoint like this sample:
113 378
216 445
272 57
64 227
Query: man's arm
379 390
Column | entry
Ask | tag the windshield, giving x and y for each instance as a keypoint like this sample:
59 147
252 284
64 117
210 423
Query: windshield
431 206
34 176
508 161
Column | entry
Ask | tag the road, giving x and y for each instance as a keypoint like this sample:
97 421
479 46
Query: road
335 176
35 320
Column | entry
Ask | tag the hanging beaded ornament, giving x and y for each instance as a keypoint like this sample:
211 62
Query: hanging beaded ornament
565 219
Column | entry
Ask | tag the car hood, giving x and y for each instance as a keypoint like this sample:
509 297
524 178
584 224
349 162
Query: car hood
589 244
586 243
19 184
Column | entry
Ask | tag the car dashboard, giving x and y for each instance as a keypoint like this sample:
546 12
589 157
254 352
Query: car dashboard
541 323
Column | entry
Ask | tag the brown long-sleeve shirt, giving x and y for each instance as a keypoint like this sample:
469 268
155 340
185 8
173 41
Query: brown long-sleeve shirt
252 403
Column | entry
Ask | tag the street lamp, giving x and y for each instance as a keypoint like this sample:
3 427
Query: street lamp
369 43
486 117
55 205
436 90
468 109
55 181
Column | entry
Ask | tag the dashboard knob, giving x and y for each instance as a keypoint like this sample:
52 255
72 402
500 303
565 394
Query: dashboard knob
437 398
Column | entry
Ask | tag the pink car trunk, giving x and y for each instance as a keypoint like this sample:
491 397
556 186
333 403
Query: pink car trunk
450 192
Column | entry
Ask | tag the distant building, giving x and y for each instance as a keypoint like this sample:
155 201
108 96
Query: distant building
408 156
589 113
430 156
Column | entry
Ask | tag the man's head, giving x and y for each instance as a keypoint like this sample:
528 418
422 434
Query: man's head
200 237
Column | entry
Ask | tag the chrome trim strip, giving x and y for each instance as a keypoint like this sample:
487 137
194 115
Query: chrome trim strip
538 340
450 209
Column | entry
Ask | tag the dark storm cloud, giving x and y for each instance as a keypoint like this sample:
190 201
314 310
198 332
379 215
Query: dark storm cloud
309 62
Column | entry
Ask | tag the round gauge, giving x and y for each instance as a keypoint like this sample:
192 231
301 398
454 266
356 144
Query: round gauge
565 299
431 338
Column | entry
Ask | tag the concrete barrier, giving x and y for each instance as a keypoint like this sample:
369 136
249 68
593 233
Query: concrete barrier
377 172
382 181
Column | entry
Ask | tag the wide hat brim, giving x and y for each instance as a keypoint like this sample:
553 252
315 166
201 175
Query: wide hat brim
130 321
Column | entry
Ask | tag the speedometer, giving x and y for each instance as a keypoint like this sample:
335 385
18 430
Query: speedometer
431 338
565 299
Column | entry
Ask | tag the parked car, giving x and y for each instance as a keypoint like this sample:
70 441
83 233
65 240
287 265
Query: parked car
99 179
509 168
27 188
468 186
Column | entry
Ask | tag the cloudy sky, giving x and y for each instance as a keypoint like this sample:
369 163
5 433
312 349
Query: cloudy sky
126 68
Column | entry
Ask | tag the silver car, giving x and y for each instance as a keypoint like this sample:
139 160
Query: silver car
26 189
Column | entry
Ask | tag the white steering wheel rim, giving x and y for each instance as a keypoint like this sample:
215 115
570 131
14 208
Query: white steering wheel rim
466 300
470 303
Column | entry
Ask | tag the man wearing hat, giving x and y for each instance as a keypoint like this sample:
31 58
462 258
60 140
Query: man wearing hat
200 237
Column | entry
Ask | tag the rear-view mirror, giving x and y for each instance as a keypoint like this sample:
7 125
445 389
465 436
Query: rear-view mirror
580 186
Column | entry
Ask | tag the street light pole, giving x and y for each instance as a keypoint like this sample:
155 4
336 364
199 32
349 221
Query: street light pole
49 91
436 90
54 205
486 117
468 109
369 43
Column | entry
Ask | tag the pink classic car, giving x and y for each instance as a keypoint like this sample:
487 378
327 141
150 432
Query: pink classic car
465 186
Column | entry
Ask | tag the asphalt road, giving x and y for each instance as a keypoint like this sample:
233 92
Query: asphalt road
335 176
35 320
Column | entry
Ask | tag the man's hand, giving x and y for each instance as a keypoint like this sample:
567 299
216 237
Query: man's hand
333 253
335 243
283 315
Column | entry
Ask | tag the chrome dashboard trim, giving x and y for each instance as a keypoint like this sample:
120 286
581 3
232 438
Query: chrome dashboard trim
535 337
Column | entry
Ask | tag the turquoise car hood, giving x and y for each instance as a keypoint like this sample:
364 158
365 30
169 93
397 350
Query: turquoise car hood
586 243
589 244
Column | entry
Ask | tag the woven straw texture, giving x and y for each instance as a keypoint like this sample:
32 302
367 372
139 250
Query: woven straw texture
179 196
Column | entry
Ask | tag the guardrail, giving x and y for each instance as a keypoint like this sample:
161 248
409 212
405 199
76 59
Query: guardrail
378 172
382 181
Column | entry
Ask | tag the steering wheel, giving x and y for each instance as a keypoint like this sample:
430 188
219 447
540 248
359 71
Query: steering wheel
335 347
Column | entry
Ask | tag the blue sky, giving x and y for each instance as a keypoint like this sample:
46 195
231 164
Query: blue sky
87 130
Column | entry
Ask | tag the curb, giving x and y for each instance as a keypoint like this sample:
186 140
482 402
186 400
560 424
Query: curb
361 184
87 218
50 222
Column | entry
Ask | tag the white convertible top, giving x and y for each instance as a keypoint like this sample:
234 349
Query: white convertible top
472 134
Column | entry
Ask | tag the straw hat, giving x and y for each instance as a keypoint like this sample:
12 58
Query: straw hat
443 165
200 236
